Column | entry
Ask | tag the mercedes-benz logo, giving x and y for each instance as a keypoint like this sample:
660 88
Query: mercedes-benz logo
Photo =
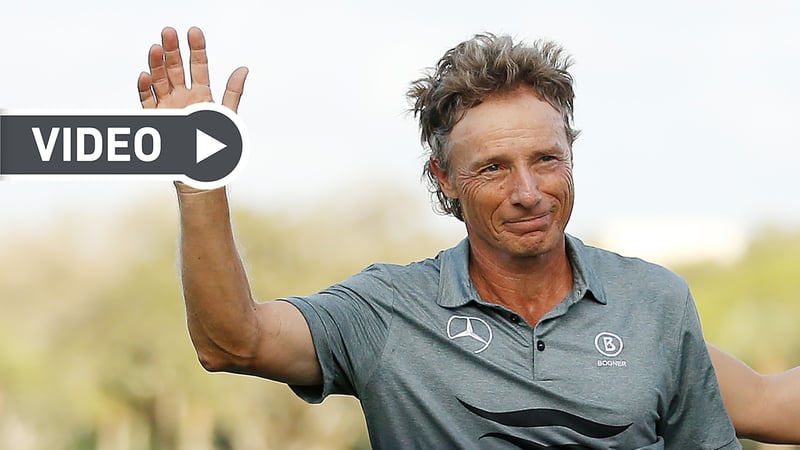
473 328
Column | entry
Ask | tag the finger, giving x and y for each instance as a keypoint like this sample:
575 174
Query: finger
198 61
145 92
172 57
234 88
158 72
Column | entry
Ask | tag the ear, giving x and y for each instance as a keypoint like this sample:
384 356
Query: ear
444 179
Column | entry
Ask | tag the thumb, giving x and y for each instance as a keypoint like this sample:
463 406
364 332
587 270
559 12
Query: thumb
234 88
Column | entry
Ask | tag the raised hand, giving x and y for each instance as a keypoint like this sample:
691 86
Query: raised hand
165 85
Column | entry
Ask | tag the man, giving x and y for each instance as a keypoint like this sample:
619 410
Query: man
520 337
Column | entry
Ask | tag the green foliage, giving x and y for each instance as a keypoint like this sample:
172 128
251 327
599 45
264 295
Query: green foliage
94 352
751 306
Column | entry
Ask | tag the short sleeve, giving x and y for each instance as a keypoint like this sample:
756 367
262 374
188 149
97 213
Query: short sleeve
349 323
696 416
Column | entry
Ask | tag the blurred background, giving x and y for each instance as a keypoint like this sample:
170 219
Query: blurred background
688 158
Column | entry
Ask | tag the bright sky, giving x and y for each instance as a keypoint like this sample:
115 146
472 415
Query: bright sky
688 109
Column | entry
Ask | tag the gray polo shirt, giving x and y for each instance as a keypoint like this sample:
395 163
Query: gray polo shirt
620 363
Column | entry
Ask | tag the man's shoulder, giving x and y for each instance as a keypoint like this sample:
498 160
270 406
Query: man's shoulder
607 261
392 273
629 275
399 269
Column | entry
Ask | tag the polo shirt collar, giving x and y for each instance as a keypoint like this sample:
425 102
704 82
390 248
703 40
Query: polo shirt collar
456 288
586 283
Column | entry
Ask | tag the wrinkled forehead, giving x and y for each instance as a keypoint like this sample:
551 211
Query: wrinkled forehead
521 112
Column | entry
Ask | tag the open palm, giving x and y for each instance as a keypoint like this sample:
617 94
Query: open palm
165 85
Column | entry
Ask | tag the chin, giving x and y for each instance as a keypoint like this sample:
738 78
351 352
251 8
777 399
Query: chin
534 246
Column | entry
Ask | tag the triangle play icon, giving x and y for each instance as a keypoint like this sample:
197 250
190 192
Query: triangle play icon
207 146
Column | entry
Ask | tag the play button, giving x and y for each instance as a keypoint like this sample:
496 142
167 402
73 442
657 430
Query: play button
152 142
207 146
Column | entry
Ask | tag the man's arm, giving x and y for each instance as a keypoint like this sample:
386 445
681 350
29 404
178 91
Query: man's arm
764 408
229 330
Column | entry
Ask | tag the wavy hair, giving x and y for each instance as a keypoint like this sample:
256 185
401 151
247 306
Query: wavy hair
468 74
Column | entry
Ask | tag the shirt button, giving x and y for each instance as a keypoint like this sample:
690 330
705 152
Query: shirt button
540 346
514 318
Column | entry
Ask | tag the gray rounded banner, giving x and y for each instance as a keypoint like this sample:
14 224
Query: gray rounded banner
202 145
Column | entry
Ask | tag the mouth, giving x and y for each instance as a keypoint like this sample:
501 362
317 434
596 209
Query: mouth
529 224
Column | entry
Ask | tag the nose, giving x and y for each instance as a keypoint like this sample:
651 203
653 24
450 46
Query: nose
525 190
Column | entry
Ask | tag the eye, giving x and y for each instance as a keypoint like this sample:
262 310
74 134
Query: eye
491 168
548 158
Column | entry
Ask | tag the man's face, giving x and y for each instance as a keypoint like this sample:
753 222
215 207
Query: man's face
511 169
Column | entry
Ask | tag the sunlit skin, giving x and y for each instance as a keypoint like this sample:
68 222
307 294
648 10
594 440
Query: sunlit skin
511 169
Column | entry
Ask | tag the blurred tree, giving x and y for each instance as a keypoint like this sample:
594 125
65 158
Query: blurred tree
94 352
751 306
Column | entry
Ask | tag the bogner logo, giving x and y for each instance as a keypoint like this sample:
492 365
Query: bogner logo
475 331
609 345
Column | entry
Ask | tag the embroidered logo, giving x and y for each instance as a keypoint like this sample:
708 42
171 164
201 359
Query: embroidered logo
470 328
608 344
